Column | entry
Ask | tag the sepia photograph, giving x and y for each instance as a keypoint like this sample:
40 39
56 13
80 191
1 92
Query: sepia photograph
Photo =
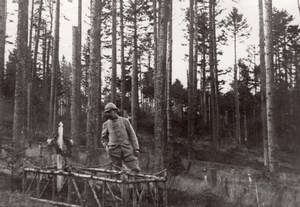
150 103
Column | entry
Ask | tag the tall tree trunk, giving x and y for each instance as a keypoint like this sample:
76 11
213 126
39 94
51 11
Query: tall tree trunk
74 91
79 67
49 49
2 57
169 73
44 55
159 91
216 119
19 123
99 65
191 114
123 80
29 76
212 73
93 112
114 53
270 84
195 60
134 78
33 76
55 68
2 48
76 80
263 82
37 39
236 94
204 102
155 36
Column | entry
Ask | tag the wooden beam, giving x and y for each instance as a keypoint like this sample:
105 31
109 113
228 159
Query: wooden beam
94 193
46 185
60 172
31 183
53 202
77 191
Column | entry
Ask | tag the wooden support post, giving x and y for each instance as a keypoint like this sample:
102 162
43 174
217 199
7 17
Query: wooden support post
69 198
213 177
123 196
45 187
94 193
24 181
85 188
38 178
155 194
257 195
59 159
165 191
77 191
53 187
30 184
103 193
134 195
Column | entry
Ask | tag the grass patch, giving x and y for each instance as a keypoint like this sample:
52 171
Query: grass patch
15 199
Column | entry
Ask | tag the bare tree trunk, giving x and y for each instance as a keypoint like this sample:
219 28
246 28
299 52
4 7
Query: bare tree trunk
2 57
169 74
134 78
76 80
191 114
37 38
79 67
55 68
123 81
2 48
263 82
29 77
114 53
74 90
204 102
48 54
99 64
19 123
195 61
236 97
159 92
212 63
94 77
155 35
216 84
44 55
270 85
33 76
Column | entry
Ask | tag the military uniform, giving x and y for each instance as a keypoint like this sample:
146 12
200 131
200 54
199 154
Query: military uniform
119 139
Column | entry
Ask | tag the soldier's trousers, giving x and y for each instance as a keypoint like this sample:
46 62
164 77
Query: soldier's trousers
123 154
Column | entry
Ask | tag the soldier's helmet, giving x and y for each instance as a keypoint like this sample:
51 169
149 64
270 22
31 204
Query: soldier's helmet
110 106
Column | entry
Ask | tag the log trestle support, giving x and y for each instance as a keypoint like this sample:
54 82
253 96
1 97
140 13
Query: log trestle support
96 187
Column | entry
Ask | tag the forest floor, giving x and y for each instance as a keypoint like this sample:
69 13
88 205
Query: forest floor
188 191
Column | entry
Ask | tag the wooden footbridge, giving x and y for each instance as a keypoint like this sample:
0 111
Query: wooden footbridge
95 187
65 185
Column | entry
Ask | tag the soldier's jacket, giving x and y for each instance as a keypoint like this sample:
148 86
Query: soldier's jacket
119 132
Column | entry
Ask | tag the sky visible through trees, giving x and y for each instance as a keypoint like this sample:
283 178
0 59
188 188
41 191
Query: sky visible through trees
180 43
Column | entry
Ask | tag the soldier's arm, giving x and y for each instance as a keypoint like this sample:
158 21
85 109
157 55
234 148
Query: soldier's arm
104 135
131 135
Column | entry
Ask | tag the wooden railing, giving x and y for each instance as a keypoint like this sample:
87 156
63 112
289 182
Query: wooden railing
95 187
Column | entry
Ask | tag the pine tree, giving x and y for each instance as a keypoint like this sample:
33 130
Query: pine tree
269 84
237 28
93 108
159 91
19 125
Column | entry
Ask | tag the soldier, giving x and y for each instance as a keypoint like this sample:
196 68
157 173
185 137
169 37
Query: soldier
119 140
